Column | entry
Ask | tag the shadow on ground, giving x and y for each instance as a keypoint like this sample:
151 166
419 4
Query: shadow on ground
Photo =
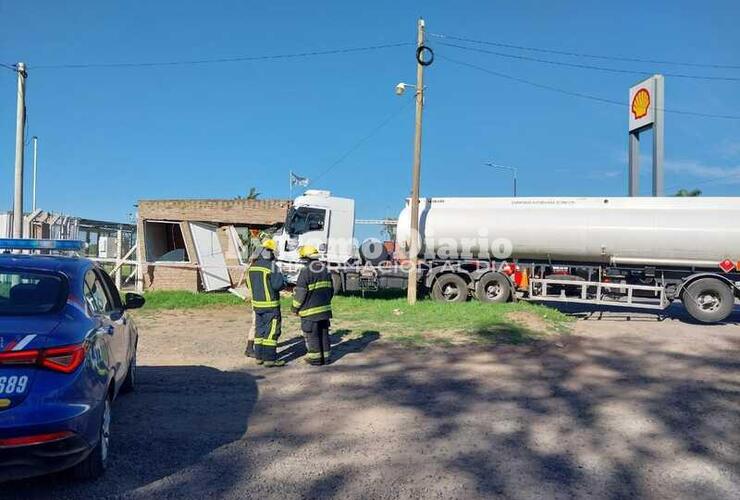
618 417
342 344
606 313
175 418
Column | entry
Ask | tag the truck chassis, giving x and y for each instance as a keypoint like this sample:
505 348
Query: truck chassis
708 296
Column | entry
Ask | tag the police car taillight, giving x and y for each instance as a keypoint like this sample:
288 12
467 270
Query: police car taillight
19 357
64 359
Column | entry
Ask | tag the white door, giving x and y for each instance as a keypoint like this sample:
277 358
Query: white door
211 260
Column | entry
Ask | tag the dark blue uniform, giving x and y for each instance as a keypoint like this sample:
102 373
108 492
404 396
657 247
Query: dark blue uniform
265 282
312 301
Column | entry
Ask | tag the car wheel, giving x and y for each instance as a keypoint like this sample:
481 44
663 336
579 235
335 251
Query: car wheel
96 462
450 288
129 383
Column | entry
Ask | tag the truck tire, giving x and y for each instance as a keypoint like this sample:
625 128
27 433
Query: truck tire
336 283
708 300
493 288
450 288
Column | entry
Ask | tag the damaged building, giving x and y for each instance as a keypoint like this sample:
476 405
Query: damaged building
201 245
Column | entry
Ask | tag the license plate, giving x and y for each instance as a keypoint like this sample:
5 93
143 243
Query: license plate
11 385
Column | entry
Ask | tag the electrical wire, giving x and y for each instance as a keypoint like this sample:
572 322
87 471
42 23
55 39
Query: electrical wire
10 67
586 55
364 139
312 53
712 180
589 66
577 94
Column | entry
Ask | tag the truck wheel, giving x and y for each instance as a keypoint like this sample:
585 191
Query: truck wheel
336 283
450 288
493 288
708 300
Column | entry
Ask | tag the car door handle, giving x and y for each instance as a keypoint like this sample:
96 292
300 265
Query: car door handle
106 329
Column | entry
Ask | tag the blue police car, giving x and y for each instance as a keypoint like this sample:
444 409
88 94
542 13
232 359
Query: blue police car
67 348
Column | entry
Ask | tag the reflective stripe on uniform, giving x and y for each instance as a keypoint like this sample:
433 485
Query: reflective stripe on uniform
273 329
317 355
314 310
269 343
296 303
260 269
258 341
263 304
320 284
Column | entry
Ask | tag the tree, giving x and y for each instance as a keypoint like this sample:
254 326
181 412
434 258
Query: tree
686 192
252 195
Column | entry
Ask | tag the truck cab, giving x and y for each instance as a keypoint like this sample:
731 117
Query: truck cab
319 219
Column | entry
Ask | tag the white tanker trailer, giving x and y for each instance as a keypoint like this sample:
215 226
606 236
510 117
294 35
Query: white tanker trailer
628 252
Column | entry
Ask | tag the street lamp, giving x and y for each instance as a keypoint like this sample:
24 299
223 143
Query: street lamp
513 171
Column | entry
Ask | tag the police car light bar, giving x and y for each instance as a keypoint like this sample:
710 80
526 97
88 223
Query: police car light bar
31 244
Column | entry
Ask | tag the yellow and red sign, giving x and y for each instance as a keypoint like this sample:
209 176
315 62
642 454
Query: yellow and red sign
641 103
643 99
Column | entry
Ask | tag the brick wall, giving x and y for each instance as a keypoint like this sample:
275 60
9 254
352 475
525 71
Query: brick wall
172 277
248 212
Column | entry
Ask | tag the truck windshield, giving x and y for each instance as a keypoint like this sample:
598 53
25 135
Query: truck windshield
303 219
24 293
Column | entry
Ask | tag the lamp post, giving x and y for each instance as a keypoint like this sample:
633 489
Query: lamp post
513 171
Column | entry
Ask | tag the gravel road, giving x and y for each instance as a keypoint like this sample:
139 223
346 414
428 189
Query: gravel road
628 406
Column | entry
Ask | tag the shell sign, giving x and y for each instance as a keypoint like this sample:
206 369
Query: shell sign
642 104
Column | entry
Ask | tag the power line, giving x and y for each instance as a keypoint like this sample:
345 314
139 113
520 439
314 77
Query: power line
712 180
365 138
577 94
586 55
588 66
223 59
11 67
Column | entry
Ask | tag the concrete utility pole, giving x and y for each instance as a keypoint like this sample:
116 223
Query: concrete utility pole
35 156
416 172
20 127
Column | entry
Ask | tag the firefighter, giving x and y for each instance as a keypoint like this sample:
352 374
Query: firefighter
312 303
265 282
251 333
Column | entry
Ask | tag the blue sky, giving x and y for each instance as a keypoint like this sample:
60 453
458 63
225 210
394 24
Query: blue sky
111 136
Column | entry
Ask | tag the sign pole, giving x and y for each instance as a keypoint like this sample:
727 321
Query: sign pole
646 111
634 162
658 146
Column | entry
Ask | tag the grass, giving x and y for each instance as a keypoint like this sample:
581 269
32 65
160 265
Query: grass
426 323
187 300
430 322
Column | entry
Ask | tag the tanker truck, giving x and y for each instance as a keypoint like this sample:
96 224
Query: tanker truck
624 252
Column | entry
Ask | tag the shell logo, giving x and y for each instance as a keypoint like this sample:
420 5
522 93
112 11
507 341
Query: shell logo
641 104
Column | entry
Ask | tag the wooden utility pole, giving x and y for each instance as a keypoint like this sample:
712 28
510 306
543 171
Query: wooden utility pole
416 171
20 130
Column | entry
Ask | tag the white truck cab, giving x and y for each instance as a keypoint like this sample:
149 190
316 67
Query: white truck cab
319 219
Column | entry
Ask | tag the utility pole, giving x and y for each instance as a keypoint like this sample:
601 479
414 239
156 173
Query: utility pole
20 127
416 172
35 155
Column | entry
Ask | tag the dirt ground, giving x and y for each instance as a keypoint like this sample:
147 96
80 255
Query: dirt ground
627 406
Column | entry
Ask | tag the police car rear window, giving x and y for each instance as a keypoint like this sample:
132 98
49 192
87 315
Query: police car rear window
23 293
